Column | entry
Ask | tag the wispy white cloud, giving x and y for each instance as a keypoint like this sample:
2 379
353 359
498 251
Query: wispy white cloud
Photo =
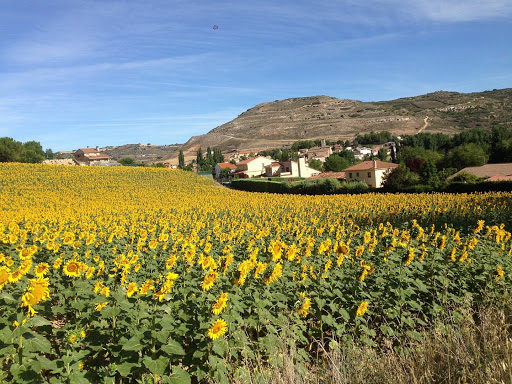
462 10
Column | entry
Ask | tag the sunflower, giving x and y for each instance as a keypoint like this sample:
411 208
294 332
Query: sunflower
131 289
72 269
220 304
260 269
41 269
499 273
363 307
217 329
208 280
5 275
306 303
359 250
89 273
37 292
57 263
105 291
146 287
100 306
275 275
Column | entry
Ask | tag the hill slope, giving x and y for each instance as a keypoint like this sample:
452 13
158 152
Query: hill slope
281 122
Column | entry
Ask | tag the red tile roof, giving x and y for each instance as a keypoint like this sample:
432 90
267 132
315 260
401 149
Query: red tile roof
89 150
499 178
226 165
99 157
371 164
248 160
324 175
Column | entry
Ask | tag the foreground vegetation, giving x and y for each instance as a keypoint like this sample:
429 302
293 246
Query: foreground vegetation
156 275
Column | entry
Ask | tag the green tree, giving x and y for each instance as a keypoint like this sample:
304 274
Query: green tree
407 153
127 161
382 154
465 177
199 159
10 149
316 164
181 160
349 155
466 155
429 174
218 157
32 152
399 178
335 163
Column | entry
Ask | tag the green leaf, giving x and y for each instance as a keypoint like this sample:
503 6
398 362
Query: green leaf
48 364
133 344
179 376
415 305
110 312
329 320
6 335
414 335
77 378
38 321
8 298
125 368
23 374
173 348
157 366
220 346
162 335
37 343
344 314
321 302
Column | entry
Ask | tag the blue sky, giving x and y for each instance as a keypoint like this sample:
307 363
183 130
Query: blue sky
77 73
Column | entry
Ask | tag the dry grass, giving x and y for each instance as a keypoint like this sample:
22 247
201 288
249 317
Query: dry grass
474 349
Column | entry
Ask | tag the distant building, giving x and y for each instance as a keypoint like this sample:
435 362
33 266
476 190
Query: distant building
370 172
90 156
290 169
361 152
321 152
490 172
220 166
253 167
330 175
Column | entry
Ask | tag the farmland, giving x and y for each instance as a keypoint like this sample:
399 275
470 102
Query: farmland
123 274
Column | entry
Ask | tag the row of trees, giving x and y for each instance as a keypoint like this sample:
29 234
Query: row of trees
205 162
28 152
429 159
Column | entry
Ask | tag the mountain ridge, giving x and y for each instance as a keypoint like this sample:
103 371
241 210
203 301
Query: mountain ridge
281 122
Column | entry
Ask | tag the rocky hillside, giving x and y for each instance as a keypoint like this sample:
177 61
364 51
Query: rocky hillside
142 153
281 122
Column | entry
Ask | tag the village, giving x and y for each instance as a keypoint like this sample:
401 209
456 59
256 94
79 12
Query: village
370 165
249 164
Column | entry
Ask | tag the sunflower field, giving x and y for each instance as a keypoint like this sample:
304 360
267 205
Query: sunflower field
121 274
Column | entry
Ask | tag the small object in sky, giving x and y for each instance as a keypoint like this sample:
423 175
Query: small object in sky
215 27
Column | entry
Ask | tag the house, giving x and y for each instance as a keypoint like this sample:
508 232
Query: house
321 152
361 152
337 148
220 166
290 169
330 175
253 167
495 172
88 156
370 172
